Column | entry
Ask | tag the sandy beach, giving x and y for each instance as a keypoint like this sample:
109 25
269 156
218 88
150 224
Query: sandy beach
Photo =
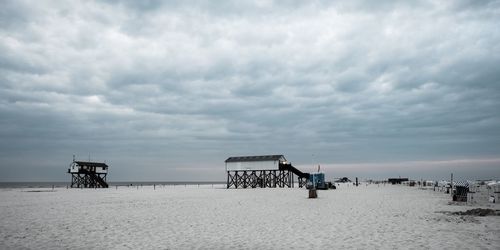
206 217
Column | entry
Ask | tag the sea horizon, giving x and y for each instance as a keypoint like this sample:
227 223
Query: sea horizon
58 184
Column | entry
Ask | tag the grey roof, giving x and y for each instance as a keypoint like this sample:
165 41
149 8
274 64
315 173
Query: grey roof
92 164
255 158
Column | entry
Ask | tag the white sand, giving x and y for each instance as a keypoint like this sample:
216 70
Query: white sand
372 217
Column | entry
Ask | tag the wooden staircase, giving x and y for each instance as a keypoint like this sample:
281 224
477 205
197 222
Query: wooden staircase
96 179
302 177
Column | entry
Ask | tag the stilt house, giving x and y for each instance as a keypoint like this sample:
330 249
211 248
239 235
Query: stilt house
88 174
262 171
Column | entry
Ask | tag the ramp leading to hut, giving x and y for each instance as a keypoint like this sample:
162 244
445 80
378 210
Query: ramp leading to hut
288 166
301 176
99 182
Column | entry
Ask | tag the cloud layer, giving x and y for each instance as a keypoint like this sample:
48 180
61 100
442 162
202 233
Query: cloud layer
168 91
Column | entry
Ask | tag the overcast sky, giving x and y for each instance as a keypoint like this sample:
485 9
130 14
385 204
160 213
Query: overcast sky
168 91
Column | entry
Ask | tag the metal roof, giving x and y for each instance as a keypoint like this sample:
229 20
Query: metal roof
91 164
255 158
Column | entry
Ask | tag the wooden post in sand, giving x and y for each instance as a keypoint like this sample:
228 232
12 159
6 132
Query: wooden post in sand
451 185
313 193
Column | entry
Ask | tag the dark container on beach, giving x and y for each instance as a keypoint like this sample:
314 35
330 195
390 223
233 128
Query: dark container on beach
313 193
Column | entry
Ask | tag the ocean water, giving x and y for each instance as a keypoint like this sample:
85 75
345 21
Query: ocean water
111 184
32 184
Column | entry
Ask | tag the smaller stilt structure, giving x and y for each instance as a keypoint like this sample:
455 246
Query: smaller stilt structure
88 174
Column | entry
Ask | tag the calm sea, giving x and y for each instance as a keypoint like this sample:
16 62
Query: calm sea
111 184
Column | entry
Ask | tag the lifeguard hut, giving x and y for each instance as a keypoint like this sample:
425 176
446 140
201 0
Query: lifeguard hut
88 174
262 171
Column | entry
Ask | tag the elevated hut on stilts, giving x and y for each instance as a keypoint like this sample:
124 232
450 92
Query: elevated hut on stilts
88 174
262 171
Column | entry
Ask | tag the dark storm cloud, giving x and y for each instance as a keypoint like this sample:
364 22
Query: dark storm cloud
178 84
